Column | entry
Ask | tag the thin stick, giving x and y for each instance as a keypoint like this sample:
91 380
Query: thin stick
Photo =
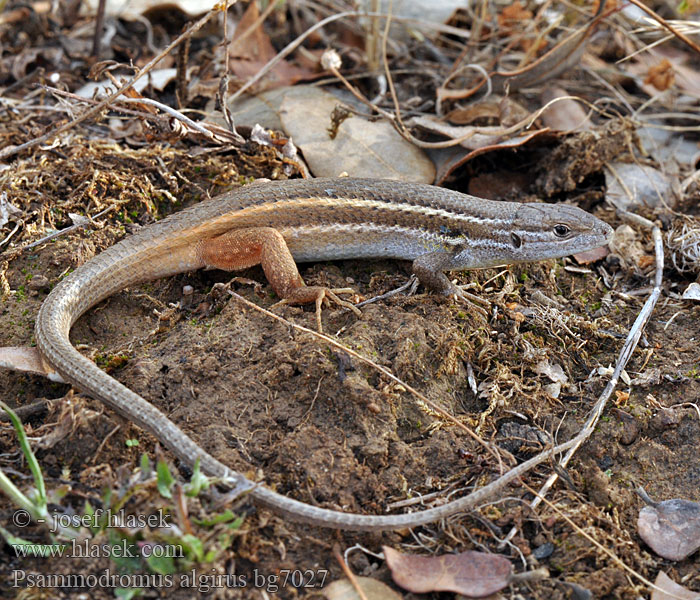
99 26
348 572
88 221
598 545
666 25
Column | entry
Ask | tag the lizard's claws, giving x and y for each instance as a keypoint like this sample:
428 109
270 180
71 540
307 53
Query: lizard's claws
317 294
460 293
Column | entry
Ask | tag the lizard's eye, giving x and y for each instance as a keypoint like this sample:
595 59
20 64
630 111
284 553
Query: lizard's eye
561 230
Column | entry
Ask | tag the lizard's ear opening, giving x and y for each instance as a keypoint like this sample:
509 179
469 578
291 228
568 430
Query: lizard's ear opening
516 240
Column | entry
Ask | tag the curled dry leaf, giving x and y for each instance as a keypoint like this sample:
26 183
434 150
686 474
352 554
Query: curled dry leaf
472 574
52 57
671 590
565 55
671 528
29 360
450 159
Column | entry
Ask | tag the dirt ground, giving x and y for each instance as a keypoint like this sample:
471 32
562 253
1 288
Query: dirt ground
316 425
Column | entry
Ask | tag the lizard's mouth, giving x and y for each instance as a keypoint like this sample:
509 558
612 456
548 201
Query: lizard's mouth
606 233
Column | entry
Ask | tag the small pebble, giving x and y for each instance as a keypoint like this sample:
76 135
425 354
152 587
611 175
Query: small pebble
38 282
543 551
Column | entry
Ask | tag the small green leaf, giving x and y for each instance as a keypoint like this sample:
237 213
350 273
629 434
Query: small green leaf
145 465
165 479
224 517
193 546
40 501
198 482
163 565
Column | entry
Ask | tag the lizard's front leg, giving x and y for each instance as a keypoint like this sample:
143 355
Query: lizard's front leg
430 267
243 248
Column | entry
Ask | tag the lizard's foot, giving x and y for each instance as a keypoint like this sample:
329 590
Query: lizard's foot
460 293
317 294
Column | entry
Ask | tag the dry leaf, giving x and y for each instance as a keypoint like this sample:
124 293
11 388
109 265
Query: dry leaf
255 51
584 258
621 397
49 58
513 16
472 574
157 78
692 292
672 591
464 115
671 528
632 185
129 9
627 245
371 588
333 143
565 55
8 211
553 371
514 19
449 159
565 115
27 359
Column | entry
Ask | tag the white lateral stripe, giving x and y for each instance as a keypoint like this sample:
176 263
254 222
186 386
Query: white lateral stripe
362 203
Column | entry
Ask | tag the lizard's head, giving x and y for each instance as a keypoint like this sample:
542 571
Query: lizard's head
542 231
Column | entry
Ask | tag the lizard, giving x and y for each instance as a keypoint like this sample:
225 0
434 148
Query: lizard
279 223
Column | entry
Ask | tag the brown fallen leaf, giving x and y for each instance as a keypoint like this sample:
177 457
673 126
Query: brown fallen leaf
630 185
670 528
371 588
671 590
584 258
246 58
27 359
472 574
514 19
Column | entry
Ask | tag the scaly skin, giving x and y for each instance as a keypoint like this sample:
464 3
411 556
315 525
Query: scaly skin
320 219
